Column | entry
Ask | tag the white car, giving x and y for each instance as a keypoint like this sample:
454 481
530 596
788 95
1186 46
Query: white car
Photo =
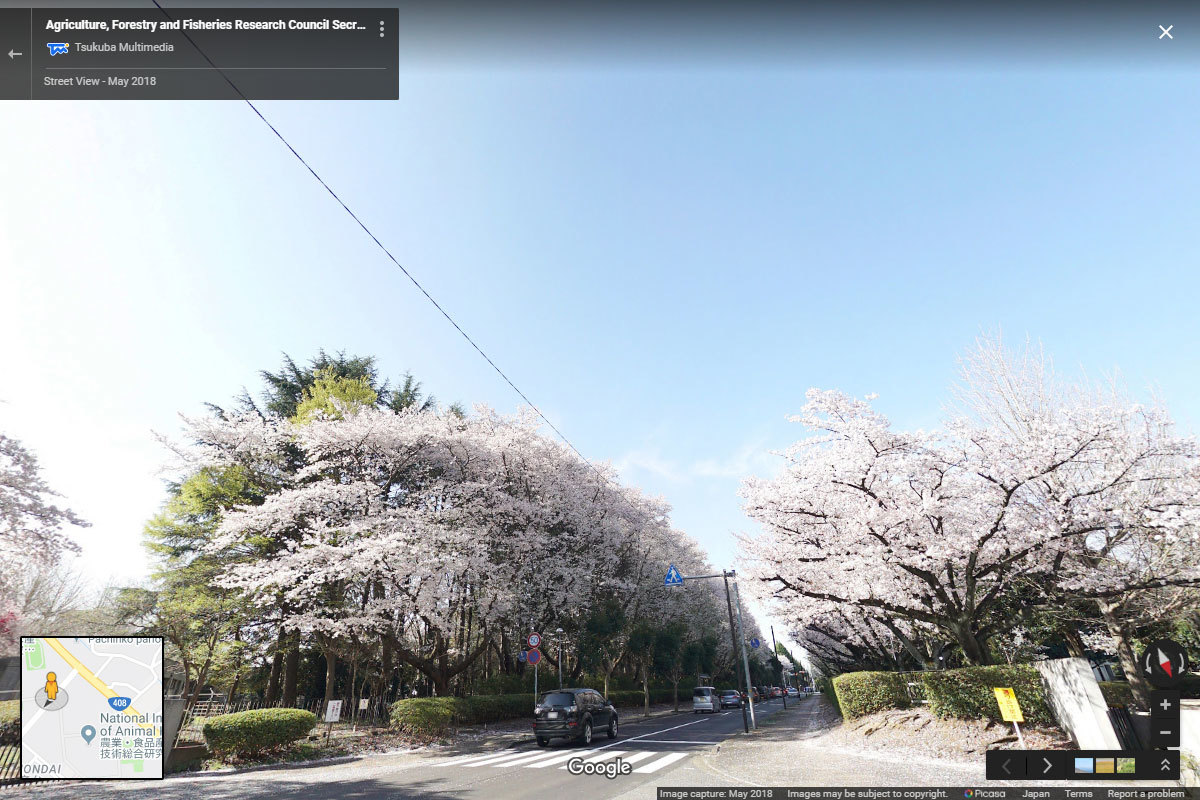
705 698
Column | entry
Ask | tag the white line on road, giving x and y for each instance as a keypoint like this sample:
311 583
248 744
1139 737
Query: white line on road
605 756
524 761
654 766
636 757
552 760
499 760
652 733
677 741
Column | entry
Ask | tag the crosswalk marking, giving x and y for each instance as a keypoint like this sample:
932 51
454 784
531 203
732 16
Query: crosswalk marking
498 760
543 759
605 755
636 757
521 762
552 760
653 766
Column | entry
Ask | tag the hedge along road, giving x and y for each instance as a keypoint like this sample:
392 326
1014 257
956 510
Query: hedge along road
652 749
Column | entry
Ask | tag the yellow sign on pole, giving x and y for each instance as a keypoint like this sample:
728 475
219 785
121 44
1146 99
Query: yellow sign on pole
1010 709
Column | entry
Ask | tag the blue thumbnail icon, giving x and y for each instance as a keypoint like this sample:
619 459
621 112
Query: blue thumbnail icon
58 48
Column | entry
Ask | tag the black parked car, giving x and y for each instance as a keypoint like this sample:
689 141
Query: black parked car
573 714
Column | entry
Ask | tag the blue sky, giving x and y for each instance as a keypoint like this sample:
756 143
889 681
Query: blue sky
663 257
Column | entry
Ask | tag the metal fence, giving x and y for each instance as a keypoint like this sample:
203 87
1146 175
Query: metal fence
354 716
10 765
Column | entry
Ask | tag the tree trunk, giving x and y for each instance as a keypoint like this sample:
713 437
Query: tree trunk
1074 643
273 680
1129 664
200 679
291 668
676 691
330 675
646 689
974 648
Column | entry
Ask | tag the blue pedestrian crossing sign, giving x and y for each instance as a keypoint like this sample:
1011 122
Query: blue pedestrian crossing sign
673 577
755 643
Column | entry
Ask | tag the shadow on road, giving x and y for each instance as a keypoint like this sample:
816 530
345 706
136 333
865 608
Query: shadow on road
277 788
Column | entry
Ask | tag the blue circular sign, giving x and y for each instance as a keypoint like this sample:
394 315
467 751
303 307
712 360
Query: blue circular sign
521 656
534 656
754 643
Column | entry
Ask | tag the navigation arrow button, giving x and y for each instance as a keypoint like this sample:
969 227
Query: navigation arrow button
13 55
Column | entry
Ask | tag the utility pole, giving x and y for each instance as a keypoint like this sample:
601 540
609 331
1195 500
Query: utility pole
745 658
775 647
558 635
733 641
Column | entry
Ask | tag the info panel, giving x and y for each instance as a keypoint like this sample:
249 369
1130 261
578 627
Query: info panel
199 54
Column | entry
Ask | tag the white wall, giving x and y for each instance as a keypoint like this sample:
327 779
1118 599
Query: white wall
1077 702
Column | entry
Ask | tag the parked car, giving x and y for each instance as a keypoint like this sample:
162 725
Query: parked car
774 692
763 693
731 698
573 714
792 691
705 698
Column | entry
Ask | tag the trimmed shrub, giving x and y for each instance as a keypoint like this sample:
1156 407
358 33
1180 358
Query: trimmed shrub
433 717
967 692
861 693
248 733
1116 693
10 722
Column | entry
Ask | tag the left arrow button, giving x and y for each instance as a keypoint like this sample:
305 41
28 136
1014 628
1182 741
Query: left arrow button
12 54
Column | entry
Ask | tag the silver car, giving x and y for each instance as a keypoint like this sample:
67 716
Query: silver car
705 698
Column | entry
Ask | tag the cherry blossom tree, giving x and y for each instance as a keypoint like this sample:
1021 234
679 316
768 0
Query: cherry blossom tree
31 526
1038 494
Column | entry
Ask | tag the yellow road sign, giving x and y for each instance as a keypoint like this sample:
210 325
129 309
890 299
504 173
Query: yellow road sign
1010 709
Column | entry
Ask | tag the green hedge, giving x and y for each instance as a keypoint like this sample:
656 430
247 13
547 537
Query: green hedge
967 692
433 717
1117 694
10 722
862 693
247 733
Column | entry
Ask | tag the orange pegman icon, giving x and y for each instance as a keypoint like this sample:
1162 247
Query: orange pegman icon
51 686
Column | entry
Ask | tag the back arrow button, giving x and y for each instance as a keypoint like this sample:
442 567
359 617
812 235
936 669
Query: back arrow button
13 55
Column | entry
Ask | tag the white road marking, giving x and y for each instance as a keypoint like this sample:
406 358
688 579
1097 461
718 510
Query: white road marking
528 759
499 760
605 756
553 760
652 733
654 766
641 755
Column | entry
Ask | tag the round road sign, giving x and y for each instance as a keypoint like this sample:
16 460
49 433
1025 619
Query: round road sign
534 640
521 656
754 643
534 656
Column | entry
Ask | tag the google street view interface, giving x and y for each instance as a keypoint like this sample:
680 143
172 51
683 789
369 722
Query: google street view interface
601 400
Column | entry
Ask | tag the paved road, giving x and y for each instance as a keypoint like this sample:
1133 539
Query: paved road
654 748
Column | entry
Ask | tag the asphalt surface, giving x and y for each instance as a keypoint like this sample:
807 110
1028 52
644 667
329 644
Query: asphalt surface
653 749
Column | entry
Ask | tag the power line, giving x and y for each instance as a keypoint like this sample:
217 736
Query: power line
388 253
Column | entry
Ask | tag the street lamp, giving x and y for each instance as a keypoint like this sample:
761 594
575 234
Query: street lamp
558 635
